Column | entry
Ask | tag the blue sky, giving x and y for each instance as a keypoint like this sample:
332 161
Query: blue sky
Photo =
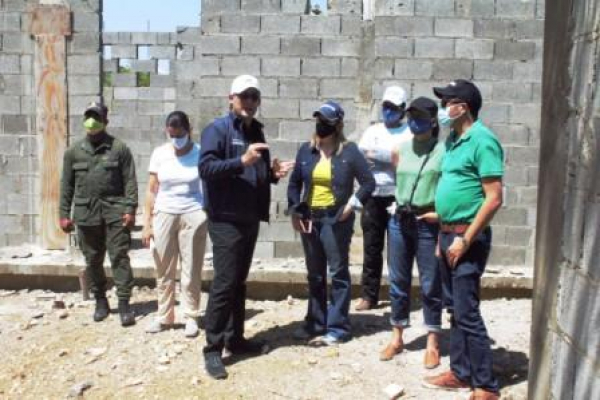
160 15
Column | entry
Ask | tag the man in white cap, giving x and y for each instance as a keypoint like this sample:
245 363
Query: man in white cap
377 144
237 173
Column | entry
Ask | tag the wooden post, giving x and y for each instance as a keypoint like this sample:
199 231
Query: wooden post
50 24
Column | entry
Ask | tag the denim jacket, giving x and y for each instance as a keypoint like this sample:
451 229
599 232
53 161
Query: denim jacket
347 165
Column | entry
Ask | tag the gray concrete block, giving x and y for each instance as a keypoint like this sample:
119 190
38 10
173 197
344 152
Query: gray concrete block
147 38
166 52
191 70
442 8
296 131
383 68
509 50
342 88
493 70
434 48
144 66
110 65
528 196
150 93
413 69
393 7
529 29
475 49
393 47
341 47
301 46
164 38
209 24
218 45
260 45
10 22
351 25
512 92
528 72
240 65
404 26
237 23
189 35
121 107
269 87
280 108
16 42
320 25
86 22
507 255
297 88
86 5
521 156
110 38
529 114
475 8
261 6
87 84
220 7
10 145
294 6
350 67
511 216
495 29
151 108
16 124
282 24
125 93
26 64
83 64
10 64
10 105
517 9
323 67
308 107
513 176
451 69
283 150
513 135
288 249
280 66
214 87
453 27
265 250
380 86
185 52
16 84
494 113
84 42
123 51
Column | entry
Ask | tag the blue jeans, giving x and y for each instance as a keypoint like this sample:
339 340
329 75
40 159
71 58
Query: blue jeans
404 244
329 244
470 348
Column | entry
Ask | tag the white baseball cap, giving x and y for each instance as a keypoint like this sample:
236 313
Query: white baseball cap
243 83
395 95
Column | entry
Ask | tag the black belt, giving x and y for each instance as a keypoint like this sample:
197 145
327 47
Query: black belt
416 209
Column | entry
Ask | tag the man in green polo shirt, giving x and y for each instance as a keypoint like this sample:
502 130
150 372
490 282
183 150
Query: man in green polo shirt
468 195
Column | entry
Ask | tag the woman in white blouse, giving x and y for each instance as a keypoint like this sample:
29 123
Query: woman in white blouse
175 220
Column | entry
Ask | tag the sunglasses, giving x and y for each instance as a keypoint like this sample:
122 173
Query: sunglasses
250 96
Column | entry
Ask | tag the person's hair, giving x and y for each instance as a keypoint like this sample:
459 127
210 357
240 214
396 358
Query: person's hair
178 119
338 137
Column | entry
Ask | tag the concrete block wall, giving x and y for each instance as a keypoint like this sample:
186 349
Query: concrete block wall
19 165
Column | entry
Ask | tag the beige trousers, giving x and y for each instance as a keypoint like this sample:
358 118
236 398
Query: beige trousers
179 237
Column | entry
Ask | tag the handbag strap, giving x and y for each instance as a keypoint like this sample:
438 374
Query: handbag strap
412 194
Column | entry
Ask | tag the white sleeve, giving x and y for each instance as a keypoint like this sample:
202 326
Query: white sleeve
154 163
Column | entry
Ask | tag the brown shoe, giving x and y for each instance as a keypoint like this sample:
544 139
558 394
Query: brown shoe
432 358
481 394
363 305
390 351
446 381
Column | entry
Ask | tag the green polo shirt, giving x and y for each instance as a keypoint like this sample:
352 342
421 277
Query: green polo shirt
475 155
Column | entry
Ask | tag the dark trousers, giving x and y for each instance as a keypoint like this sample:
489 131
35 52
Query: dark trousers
233 247
94 241
329 244
373 221
470 347
405 243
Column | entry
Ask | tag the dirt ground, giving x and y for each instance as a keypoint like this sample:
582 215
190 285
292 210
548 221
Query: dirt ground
53 353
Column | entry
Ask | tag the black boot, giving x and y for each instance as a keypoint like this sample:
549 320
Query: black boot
126 313
213 363
102 309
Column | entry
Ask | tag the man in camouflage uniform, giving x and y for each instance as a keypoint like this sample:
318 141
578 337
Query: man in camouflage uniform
99 181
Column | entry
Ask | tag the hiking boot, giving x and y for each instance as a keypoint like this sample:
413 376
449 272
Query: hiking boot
213 363
102 309
446 381
126 313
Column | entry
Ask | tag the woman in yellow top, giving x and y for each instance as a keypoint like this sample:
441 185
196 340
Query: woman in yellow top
322 205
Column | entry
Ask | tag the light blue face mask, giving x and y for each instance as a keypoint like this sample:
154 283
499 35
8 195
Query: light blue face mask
444 118
180 142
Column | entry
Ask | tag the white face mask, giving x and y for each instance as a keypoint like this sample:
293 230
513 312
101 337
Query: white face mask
180 142
444 117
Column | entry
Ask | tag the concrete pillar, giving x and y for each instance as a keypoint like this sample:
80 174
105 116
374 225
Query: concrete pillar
565 345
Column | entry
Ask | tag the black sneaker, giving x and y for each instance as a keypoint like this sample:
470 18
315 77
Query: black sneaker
213 363
126 313
245 346
102 309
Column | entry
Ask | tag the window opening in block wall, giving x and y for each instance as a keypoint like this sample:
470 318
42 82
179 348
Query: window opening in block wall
164 67
124 66
142 79
318 7
149 15
107 52
107 79
143 52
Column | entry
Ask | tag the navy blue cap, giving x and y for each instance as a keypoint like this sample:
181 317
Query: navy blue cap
461 89
331 112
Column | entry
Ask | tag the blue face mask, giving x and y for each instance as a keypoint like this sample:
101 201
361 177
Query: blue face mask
444 118
180 142
392 116
420 126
